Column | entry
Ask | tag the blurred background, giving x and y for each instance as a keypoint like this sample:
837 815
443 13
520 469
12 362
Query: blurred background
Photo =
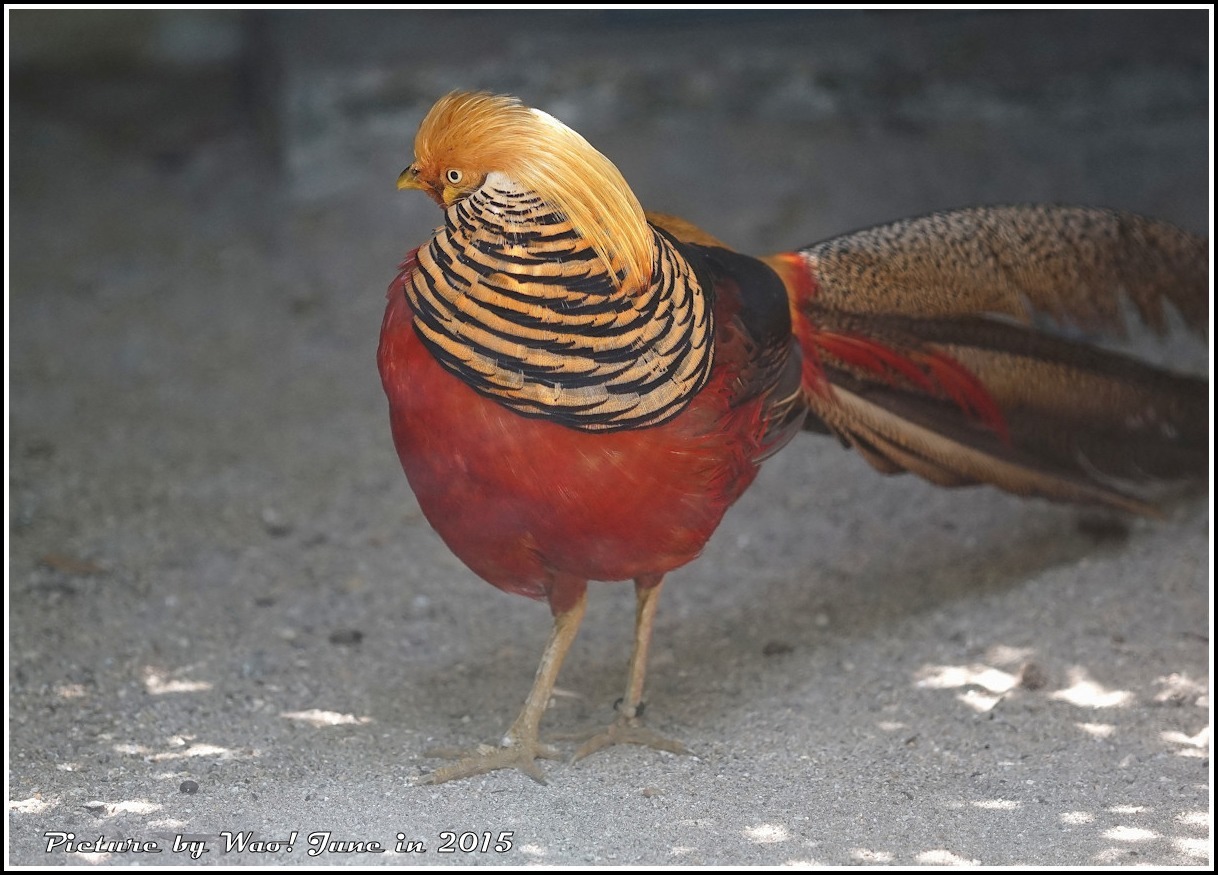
217 569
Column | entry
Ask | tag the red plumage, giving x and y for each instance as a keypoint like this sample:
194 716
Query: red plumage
537 508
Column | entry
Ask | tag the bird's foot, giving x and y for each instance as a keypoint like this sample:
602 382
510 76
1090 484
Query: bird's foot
518 754
623 730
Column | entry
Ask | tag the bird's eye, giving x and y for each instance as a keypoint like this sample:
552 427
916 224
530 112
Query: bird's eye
453 175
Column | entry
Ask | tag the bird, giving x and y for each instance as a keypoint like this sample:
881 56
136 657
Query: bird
579 389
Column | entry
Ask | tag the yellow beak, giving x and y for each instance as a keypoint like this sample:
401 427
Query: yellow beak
409 178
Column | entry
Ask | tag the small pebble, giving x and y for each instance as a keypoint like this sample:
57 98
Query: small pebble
346 637
275 525
1033 677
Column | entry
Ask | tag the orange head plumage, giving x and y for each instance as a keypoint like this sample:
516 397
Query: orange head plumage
467 136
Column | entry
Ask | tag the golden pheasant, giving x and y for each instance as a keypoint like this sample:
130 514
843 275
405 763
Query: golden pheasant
579 390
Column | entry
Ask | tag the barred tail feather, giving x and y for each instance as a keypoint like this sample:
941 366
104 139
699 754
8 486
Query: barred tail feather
959 393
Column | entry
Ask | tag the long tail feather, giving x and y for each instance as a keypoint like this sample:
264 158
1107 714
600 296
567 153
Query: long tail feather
913 355
1074 264
916 438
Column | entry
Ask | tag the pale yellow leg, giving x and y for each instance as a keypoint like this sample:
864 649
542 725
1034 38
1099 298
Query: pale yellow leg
628 728
521 745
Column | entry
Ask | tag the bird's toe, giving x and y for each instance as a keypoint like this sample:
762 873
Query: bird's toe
624 730
485 758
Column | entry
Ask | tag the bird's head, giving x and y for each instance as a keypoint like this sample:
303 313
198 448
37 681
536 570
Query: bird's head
467 136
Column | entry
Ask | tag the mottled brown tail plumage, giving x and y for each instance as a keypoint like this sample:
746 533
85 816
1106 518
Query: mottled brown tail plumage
1077 423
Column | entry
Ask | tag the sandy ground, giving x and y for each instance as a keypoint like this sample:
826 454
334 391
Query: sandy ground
227 615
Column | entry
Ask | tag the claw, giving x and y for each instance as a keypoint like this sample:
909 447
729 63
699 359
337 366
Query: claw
485 758
624 730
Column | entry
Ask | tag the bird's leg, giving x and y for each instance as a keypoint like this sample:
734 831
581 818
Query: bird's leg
521 745
628 728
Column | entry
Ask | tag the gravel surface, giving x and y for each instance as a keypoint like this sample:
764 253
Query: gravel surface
229 623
